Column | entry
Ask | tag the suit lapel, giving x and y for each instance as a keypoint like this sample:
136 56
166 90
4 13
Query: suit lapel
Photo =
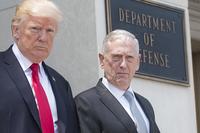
115 107
58 97
16 73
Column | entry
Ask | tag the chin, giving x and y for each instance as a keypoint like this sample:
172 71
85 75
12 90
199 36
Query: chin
123 82
41 55
39 59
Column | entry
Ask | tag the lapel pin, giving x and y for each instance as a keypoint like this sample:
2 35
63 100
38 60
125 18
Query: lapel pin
54 79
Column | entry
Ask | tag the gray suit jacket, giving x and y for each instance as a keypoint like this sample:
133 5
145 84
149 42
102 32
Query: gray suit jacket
100 112
18 111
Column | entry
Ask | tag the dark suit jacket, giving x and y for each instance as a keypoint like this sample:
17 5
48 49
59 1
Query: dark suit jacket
100 112
18 111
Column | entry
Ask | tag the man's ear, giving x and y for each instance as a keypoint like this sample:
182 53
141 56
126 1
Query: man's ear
138 62
101 58
15 31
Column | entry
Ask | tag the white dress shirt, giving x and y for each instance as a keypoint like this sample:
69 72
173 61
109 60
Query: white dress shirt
119 95
25 64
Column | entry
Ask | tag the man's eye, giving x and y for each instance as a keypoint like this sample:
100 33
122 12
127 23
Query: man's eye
116 58
131 59
50 30
35 29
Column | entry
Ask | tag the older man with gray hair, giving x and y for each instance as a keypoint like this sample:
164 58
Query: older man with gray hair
112 106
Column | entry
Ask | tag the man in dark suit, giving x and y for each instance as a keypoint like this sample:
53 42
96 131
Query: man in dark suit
23 95
112 106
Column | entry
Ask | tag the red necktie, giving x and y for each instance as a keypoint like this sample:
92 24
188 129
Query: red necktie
46 120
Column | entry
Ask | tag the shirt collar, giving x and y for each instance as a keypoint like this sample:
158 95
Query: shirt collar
118 93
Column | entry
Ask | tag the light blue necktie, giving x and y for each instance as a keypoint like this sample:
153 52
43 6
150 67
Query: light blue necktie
140 123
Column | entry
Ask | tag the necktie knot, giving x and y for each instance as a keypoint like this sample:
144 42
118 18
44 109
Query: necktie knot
34 67
129 96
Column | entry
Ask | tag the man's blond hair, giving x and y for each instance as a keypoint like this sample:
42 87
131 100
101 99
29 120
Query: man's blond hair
40 8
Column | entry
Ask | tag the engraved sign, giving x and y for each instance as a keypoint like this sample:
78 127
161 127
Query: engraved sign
160 31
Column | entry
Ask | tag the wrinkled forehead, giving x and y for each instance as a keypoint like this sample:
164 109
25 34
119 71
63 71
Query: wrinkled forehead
127 44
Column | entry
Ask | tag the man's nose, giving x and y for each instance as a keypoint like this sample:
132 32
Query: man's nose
123 63
43 35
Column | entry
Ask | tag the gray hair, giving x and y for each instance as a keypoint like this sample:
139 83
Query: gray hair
42 8
119 34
